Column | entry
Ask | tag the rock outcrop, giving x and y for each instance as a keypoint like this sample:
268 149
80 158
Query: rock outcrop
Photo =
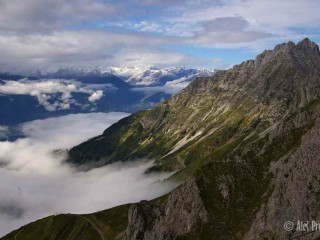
296 194
181 213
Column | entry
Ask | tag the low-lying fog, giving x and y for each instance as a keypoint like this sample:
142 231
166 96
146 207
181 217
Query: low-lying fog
34 183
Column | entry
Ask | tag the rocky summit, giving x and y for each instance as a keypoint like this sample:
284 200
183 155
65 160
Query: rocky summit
245 144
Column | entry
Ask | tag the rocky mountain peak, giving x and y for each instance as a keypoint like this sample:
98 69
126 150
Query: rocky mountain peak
305 45
289 75
308 46
290 52
284 46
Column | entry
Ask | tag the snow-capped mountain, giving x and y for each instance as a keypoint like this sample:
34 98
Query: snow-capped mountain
138 76
150 76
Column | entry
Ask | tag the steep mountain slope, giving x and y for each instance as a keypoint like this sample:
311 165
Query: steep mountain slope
246 142
212 115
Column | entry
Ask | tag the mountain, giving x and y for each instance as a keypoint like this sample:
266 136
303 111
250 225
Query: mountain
151 76
210 112
244 142
109 224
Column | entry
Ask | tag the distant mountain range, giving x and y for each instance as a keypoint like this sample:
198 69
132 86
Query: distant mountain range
140 76
244 143
40 95
156 76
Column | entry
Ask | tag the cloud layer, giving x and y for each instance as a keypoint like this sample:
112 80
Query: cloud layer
57 33
4 131
54 94
35 182
170 87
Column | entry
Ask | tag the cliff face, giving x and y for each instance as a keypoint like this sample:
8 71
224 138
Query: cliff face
246 143
296 194
181 213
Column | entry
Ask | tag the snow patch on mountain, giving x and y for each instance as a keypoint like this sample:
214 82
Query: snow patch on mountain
138 76
147 76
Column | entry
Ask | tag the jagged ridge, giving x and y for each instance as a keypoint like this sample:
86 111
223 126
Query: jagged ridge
212 113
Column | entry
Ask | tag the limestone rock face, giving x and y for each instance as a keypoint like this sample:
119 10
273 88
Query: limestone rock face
296 195
183 212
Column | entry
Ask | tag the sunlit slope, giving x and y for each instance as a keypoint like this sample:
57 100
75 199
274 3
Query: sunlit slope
212 116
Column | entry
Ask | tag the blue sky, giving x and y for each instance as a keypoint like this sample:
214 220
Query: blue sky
48 34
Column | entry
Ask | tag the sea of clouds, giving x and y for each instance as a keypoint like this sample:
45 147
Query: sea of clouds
35 181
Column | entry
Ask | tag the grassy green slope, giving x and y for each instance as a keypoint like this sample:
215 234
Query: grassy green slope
110 224
176 131
210 114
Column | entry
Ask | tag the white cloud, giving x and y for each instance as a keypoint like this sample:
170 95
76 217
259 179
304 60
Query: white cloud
39 34
146 26
47 15
82 48
171 87
56 131
265 15
96 96
144 57
35 182
46 91
178 29
236 23
227 30
4 131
